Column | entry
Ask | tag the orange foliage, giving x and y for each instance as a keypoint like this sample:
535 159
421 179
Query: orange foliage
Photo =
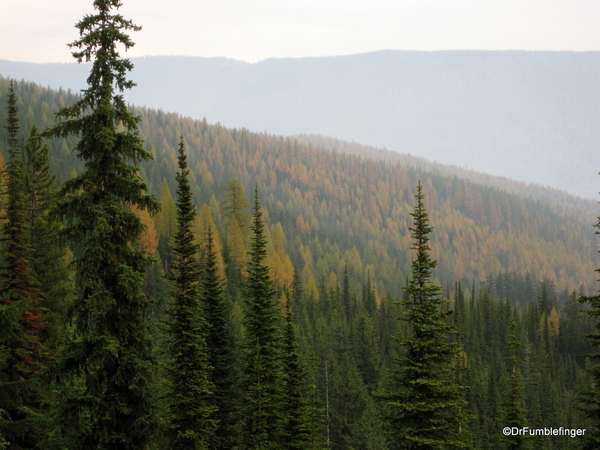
148 242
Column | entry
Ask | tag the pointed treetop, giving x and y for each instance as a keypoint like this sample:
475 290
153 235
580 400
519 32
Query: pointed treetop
12 123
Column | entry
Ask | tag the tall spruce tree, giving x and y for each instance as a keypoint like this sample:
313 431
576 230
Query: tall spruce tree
22 356
105 400
219 345
190 421
426 407
262 421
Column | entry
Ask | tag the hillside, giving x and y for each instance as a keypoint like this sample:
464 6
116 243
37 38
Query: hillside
529 190
339 251
338 209
530 116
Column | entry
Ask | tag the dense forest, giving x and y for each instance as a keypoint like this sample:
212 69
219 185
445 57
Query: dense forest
195 286
340 223
337 209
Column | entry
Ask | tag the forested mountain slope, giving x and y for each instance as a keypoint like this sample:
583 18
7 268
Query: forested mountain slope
338 209
529 190
339 253
531 116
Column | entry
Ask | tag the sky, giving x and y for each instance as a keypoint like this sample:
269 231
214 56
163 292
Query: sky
254 30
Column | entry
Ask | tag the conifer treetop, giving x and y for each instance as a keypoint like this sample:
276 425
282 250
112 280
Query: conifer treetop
110 356
12 125
422 265
93 45
427 407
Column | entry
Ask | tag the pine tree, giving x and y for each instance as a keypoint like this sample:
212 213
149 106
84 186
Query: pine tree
22 356
219 343
426 407
190 420
105 400
262 366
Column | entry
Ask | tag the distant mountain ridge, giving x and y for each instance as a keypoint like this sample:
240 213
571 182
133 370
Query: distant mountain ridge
531 116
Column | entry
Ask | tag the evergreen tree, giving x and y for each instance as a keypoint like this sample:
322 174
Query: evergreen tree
297 288
262 419
426 407
314 426
348 400
369 298
219 344
346 299
366 349
514 413
48 252
166 224
105 399
22 356
190 421
294 373
590 399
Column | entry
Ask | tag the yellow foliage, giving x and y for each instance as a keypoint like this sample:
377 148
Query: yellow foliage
148 240
308 281
282 269
301 224
553 322
237 244
333 282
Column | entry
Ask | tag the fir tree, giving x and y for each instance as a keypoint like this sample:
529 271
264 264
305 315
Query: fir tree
22 357
426 407
190 421
105 400
219 344
262 366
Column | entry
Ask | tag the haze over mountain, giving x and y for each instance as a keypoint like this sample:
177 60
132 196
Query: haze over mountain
532 116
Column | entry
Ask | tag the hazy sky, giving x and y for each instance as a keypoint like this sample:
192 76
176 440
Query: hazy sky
252 30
